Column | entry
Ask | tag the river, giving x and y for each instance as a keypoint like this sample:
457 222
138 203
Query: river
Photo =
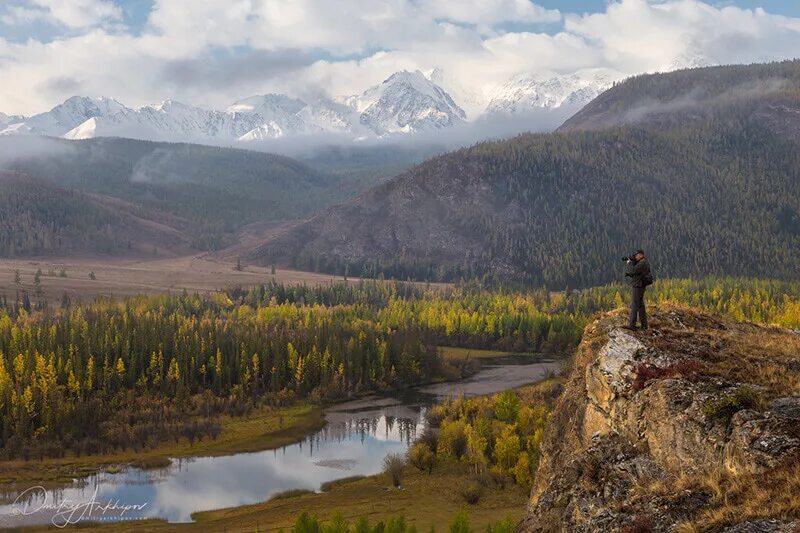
357 436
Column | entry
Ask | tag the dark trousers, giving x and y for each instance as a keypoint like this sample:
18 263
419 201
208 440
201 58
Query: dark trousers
637 307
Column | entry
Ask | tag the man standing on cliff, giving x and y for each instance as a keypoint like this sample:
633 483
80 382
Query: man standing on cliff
637 268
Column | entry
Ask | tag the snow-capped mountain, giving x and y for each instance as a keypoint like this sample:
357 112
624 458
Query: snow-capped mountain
471 99
260 117
172 120
63 117
9 119
688 60
526 92
406 102
281 116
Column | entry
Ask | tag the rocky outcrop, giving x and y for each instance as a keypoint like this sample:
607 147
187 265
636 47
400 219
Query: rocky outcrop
654 426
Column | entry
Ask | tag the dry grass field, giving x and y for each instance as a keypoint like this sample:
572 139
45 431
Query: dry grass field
121 277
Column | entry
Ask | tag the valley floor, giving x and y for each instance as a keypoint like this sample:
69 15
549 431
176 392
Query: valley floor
121 277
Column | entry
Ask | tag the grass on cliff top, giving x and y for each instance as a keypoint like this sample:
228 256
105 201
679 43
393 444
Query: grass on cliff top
262 429
766 362
739 352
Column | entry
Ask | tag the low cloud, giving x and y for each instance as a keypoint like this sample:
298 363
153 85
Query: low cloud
701 100
14 149
160 166
488 127
222 68
62 85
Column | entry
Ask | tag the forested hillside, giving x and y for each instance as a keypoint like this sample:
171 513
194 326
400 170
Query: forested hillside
718 193
686 97
38 218
217 190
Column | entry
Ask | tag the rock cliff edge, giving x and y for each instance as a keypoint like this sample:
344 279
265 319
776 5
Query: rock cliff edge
693 425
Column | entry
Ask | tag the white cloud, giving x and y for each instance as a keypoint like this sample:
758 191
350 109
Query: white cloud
340 47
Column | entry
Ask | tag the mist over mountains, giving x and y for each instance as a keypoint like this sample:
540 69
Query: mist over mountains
405 104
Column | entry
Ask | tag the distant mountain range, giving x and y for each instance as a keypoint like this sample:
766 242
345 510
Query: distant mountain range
699 167
405 103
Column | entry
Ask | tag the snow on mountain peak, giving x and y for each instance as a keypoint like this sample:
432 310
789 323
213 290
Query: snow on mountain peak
472 100
525 92
267 103
404 103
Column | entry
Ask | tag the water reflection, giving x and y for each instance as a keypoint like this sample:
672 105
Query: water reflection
358 436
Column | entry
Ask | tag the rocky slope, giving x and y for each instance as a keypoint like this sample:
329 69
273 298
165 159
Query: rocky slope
693 425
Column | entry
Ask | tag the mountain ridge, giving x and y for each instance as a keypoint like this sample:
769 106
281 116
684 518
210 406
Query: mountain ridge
405 103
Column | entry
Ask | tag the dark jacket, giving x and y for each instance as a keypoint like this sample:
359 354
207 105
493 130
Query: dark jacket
636 271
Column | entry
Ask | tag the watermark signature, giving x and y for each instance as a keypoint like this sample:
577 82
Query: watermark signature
69 512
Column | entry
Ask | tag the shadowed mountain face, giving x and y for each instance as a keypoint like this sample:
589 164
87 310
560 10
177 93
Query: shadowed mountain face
215 191
705 179
39 218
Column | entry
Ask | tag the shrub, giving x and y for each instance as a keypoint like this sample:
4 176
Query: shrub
429 437
641 524
421 457
522 470
436 414
724 408
506 526
306 524
506 406
453 439
471 492
646 373
507 448
292 493
337 524
460 523
393 465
